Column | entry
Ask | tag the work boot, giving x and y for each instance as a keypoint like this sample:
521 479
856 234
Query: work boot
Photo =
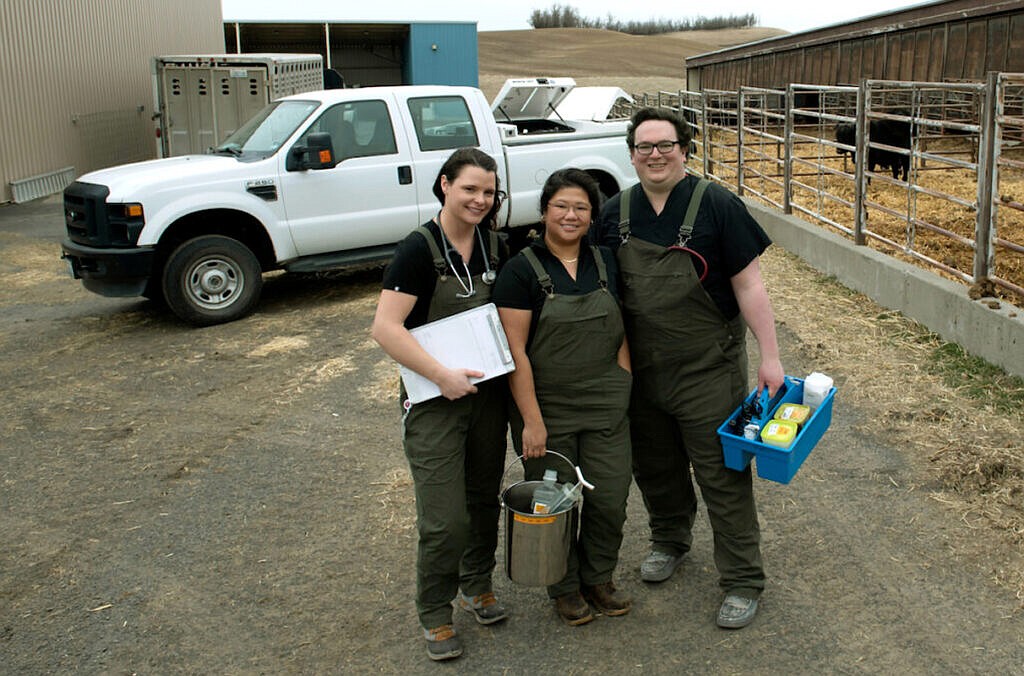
736 612
485 607
573 609
442 643
659 566
607 599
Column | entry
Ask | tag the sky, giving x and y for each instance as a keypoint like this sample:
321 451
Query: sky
494 15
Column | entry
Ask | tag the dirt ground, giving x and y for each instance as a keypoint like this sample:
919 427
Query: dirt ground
235 500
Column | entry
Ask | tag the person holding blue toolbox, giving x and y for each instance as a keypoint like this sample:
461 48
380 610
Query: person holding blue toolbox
688 254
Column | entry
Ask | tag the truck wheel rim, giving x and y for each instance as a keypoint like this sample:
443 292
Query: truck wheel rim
214 283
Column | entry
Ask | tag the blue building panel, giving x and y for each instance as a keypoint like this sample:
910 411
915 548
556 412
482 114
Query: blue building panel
442 54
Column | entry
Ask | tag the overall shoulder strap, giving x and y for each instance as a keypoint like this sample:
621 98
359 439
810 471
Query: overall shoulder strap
624 199
435 251
602 269
691 211
542 275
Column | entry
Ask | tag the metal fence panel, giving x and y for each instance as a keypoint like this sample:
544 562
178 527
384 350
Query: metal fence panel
931 172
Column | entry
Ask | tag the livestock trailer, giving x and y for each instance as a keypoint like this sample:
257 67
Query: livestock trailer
201 99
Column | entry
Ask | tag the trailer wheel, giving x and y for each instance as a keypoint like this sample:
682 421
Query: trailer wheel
212 280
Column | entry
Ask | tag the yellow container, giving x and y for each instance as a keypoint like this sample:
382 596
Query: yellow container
779 433
797 413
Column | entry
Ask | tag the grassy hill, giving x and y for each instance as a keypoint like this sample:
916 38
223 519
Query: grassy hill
637 63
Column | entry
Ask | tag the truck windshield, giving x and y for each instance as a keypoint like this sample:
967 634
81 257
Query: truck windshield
262 135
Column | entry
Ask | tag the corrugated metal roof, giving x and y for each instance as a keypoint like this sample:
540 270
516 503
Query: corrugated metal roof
917 16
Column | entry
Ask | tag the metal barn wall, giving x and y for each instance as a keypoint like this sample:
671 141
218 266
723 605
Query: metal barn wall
77 85
442 54
948 40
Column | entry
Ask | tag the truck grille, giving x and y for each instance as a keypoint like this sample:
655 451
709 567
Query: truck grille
85 212
91 221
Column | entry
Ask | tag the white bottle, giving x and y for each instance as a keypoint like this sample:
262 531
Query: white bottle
816 388
547 494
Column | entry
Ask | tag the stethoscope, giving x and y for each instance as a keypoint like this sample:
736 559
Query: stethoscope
680 245
469 290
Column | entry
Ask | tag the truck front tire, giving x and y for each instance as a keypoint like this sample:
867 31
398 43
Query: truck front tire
212 280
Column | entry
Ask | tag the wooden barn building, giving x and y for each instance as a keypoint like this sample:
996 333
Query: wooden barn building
944 41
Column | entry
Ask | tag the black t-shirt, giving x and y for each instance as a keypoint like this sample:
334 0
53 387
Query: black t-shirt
412 269
724 233
517 286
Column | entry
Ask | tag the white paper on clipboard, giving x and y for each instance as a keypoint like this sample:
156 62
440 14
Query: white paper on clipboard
472 339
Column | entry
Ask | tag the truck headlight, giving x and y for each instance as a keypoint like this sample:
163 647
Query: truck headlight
125 222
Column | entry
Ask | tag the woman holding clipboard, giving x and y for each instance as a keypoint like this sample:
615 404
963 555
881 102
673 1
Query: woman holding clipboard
455 443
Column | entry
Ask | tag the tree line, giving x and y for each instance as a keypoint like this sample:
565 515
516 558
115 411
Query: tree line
564 16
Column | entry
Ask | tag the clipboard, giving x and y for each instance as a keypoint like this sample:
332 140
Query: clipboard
472 339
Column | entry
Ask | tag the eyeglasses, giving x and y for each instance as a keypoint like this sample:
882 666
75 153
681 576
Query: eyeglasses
581 209
664 147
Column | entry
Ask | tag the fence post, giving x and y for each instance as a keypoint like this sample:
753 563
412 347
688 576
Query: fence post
787 162
984 255
704 133
859 180
740 118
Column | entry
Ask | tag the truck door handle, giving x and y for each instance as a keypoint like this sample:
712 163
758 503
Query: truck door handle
404 174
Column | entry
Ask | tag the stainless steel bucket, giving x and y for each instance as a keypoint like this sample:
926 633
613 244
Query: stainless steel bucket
536 545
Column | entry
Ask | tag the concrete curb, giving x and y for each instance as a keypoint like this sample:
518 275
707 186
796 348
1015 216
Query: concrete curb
996 335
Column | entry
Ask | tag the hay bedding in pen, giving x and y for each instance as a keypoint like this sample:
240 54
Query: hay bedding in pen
937 211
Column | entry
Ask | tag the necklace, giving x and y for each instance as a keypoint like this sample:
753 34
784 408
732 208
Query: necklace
567 260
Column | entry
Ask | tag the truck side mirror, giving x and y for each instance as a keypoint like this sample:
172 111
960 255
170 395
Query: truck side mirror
318 153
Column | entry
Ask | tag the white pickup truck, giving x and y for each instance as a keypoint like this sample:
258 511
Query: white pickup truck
317 181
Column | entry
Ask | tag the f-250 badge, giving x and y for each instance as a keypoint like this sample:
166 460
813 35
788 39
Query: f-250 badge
264 188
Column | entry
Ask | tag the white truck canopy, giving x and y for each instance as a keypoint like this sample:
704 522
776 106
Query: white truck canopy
532 98
554 98
590 103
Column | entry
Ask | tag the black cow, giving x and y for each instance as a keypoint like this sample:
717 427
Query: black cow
894 133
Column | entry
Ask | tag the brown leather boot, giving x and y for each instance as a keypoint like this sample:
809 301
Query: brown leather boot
607 599
573 609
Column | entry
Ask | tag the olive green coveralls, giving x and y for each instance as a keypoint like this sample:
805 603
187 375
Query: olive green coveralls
690 373
456 451
583 395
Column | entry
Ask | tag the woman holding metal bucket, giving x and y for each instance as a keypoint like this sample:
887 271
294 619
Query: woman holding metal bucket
455 443
558 304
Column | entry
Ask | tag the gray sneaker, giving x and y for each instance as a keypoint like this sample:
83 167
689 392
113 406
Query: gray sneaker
442 643
659 566
736 612
485 607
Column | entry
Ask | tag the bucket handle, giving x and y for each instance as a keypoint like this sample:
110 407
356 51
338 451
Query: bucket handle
579 473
